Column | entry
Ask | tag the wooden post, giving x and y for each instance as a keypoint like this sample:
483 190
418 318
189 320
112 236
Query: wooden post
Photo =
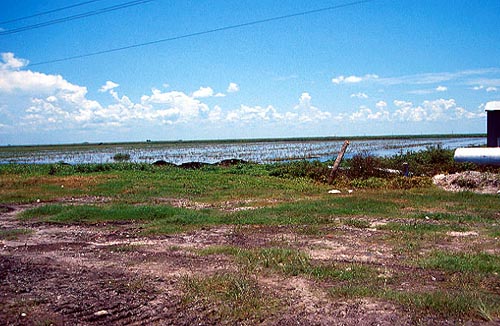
340 156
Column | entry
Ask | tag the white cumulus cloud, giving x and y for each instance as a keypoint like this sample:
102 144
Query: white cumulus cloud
33 101
233 87
381 104
441 88
353 79
306 112
203 92
11 62
108 86
253 113
436 110
360 95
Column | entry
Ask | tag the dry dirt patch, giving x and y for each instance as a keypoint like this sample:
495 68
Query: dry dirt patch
480 182
110 274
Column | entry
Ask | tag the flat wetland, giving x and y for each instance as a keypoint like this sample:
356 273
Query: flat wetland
257 150
132 243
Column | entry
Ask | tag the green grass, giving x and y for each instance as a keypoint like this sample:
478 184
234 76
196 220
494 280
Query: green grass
445 216
483 263
494 231
140 183
315 212
455 304
357 223
322 211
417 215
358 281
421 227
231 297
290 262
125 248
158 219
13 234
219 250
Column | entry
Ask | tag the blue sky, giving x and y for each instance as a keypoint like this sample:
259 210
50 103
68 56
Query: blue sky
375 68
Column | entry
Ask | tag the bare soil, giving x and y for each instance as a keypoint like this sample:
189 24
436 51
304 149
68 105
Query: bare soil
111 274
480 182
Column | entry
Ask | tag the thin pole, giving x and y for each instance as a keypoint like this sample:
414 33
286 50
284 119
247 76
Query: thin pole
340 156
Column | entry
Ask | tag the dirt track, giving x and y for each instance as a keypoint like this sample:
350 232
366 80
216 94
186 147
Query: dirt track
108 274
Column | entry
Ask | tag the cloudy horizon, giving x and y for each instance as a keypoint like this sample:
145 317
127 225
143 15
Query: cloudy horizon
249 93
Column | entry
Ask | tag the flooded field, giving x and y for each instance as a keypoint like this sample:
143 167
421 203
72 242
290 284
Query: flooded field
211 152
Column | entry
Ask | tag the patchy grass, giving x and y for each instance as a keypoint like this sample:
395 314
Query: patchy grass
230 297
125 248
286 201
456 304
463 262
421 227
357 223
290 262
219 250
13 234
494 231
94 213
28 188
284 260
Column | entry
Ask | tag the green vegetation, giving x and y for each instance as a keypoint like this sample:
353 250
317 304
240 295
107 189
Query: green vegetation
455 304
357 223
13 234
463 262
121 157
411 243
290 262
421 227
230 296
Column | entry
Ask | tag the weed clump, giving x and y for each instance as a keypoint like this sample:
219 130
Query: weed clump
315 170
230 296
121 157
365 171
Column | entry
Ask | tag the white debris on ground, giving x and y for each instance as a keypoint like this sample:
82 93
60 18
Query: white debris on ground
334 191
479 182
462 234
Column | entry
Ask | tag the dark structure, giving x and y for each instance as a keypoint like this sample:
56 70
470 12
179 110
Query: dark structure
493 127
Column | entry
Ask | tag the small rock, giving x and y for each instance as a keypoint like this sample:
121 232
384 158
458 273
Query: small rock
23 314
350 191
38 200
427 217
101 313
334 191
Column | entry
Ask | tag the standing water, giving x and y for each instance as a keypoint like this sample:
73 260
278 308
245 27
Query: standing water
211 152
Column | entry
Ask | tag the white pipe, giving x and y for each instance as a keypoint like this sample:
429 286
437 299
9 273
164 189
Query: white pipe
480 155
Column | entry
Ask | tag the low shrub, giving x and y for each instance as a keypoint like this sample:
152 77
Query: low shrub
364 166
315 170
369 183
410 182
120 157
